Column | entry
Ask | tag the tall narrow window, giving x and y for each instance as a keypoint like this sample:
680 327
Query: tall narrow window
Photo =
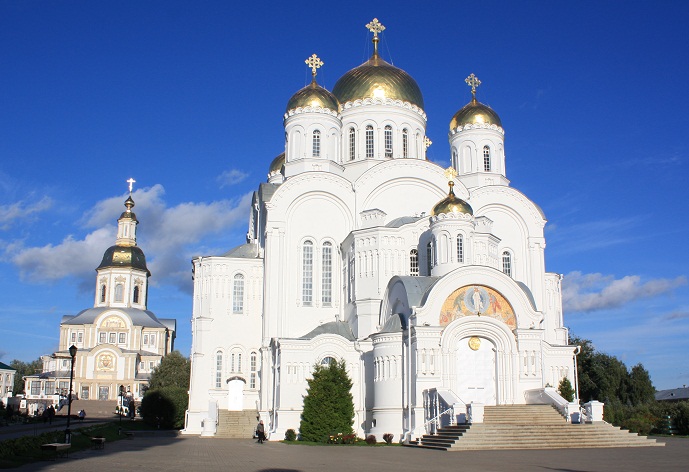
307 274
388 141
119 292
253 370
414 262
429 256
218 369
135 297
486 158
232 362
327 278
316 143
507 263
454 160
352 144
460 248
369 141
405 143
239 362
103 290
238 294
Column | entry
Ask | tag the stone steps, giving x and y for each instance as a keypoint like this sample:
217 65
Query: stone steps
529 427
236 424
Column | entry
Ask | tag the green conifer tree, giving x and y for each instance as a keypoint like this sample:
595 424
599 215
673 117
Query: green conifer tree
328 404
565 389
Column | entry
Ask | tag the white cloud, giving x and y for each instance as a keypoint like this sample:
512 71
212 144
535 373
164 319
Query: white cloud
169 237
591 292
231 177
22 210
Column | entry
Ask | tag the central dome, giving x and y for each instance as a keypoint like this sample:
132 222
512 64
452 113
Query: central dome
376 78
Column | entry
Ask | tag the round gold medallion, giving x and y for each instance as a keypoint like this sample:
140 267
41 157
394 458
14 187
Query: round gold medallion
474 343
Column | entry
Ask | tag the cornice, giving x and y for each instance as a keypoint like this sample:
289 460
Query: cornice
385 101
470 126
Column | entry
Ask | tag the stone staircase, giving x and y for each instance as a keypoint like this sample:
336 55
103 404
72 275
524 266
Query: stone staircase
529 427
236 424
93 408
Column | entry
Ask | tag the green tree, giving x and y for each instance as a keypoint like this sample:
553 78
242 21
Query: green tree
328 404
641 389
565 389
174 370
23 369
165 407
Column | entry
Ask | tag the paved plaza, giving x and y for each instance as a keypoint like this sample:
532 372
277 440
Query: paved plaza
184 453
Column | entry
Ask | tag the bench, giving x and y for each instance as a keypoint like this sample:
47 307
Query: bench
98 443
60 449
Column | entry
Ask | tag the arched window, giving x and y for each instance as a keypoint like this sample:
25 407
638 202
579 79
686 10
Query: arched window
135 295
429 256
119 292
236 361
460 248
238 294
352 144
388 141
218 369
507 263
405 143
454 160
486 158
414 262
103 291
253 370
327 361
327 277
307 273
369 141
316 148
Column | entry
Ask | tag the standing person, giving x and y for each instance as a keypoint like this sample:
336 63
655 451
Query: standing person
261 432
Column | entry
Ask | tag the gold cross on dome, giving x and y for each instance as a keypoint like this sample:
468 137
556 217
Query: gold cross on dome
131 184
473 82
314 63
427 142
375 27
450 173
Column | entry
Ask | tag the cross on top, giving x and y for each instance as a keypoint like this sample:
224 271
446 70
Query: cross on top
450 173
314 63
427 142
375 27
473 82
131 184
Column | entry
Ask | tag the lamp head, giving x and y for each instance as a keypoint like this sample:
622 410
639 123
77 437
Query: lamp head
72 350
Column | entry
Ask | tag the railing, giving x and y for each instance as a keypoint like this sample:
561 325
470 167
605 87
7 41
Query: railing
439 404
549 396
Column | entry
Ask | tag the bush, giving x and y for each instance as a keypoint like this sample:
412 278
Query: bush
165 407
388 437
342 439
371 439
290 435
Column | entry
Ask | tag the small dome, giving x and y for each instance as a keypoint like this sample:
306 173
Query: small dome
276 165
313 95
124 256
128 213
451 204
376 78
475 112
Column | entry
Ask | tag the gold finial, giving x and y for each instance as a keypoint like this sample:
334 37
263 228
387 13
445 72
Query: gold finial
450 173
427 142
314 63
375 27
473 82
131 185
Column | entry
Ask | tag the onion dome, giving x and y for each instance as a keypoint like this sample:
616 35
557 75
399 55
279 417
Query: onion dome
128 213
124 256
474 112
313 95
376 78
451 204
276 165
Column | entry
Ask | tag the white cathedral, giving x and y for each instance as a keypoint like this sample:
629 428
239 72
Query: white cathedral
429 283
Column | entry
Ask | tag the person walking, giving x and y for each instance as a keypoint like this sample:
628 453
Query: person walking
261 432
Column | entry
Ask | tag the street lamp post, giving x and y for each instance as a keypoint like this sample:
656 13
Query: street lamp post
73 354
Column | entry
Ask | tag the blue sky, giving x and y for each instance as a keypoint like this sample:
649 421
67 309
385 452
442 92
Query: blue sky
187 98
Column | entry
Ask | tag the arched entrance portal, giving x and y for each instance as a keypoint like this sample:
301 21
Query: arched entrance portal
235 393
476 380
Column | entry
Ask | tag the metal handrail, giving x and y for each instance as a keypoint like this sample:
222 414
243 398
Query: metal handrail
433 420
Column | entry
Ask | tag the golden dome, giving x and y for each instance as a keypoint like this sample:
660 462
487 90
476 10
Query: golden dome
451 204
376 78
313 95
276 165
475 112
